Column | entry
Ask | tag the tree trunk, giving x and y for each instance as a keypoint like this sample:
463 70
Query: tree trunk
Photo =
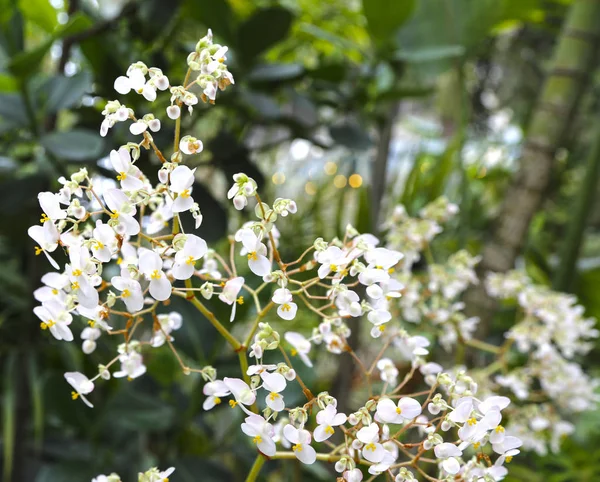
573 62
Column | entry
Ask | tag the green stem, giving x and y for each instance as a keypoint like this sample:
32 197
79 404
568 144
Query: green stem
235 344
255 470
569 251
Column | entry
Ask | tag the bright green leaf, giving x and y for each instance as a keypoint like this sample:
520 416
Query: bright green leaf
75 145
385 17
40 12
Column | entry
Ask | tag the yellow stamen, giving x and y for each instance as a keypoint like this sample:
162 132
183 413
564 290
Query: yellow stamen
382 328
294 352
44 218
329 430
508 459
221 60
155 274
499 429
129 379
74 395
297 448
232 403
122 176
217 401
190 260
185 194
252 256
98 245
115 215
240 300
371 447
54 291
476 445
333 267
125 293
286 307
257 439
274 396
391 270
379 267
472 421
92 323
38 250
75 286
398 410
77 272
119 260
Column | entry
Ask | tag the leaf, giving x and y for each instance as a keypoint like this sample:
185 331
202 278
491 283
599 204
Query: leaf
216 15
64 92
188 469
430 54
74 145
134 410
66 472
276 72
40 12
351 136
8 83
262 30
12 109
385 17
28 62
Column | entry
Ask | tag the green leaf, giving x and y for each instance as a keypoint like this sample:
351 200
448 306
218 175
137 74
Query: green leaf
66 472
430 54
385 17
134 410
40 12
65 92
262 30
28 62
13 111
216 15
276 72
8 83
74 145
351 136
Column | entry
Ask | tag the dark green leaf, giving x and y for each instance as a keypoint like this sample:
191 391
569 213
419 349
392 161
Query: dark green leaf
350 135
12 110
134 410
74 145
262 30
216 15
385 17
64 92
189 468
66 472
276 72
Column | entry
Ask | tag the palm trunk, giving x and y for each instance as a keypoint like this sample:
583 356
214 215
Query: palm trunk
574 60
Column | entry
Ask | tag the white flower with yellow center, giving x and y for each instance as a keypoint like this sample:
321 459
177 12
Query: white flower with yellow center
151 266
49 202
255 251
406 409
123 212
132 364
127 173
274 383
55 317
54 286
333 259
104 243
181 182
46 236
372 450
326 420
287 308
136 81
194 249
230 294
261 432
301 346
240 390
82 386
300 440
448 453
131 292
190 145
214 391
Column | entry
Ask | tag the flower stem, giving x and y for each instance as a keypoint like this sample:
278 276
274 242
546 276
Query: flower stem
254 471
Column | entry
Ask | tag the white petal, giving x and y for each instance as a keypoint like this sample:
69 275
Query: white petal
160 289
122 85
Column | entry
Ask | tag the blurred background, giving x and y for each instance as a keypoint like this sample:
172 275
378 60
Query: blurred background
349 108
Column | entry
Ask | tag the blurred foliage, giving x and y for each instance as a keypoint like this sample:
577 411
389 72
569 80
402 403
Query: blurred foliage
462 75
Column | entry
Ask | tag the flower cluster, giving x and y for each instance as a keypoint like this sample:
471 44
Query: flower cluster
125 254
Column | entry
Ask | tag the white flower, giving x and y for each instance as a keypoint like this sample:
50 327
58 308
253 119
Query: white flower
168 323
258 263
507 449
389 372
173 111
287 308
131 292
135 81
261 432
49 202
55 318
47 237
214 391
185 260
372 450
190 145
406 409
151 266
182 179
128 174
301 440
55 283
240 390
132 365
348 303
89 335
353 475
448 452
301 346
230 293
326 420
104 243
332 259
274 383
122 212
82 386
